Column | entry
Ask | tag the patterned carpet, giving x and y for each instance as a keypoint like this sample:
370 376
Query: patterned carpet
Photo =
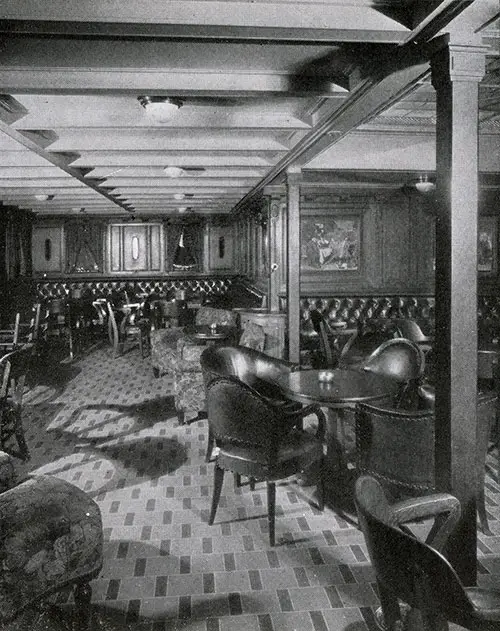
109 427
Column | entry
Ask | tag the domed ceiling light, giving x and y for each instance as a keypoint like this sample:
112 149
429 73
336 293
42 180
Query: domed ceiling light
173 171
43 197
424 185
179 196
160 108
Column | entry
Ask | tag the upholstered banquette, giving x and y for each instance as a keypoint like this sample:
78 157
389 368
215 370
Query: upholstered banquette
209 288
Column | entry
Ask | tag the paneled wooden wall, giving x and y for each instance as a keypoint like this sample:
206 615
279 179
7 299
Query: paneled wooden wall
397 241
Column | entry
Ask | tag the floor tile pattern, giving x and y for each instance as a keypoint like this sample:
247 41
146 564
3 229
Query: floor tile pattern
108 426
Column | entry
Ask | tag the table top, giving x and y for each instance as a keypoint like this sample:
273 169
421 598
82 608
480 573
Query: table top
346 388
204 332
489 347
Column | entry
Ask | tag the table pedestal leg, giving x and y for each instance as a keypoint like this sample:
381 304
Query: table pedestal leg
338 477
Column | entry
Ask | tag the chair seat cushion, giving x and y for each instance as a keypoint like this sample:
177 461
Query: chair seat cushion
297 450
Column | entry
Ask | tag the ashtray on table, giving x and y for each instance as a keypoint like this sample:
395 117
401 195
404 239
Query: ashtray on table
338 324
326 375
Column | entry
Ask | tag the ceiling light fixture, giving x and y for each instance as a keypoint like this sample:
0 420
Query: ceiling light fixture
172 171
42 197
160 108
182 209
424 185
179 196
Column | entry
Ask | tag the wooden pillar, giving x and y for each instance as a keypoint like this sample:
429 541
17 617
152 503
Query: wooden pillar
456 72
293 179
275 254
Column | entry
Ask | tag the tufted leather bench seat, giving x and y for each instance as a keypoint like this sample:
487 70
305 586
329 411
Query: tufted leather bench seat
357 309
104 288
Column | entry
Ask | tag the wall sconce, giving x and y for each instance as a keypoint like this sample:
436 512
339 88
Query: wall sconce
424 185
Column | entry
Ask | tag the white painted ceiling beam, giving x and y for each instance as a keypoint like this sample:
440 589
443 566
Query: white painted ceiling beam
117 159
224 15
158 172
171 140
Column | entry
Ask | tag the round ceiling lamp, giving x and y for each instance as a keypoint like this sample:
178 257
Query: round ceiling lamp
172 171
424 185
179 196
43 197
160 108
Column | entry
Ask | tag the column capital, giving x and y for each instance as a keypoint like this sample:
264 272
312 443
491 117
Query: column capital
454 61
293 175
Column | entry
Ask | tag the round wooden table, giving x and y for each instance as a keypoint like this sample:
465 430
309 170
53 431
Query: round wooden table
346 388
205 333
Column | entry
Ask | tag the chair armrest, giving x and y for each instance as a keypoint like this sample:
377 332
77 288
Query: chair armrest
444 507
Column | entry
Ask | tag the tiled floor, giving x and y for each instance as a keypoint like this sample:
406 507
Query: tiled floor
108 426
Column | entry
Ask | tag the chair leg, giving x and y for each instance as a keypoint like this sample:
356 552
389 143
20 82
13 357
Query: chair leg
271 510
321 484
210 446
390 611
481 512
218 480
82 593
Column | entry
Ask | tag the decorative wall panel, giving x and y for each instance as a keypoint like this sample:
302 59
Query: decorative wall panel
47 249
221 246
135 248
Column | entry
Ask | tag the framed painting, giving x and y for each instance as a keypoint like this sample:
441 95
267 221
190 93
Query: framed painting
487 245
330 243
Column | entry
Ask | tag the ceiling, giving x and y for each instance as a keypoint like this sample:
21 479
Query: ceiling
266 86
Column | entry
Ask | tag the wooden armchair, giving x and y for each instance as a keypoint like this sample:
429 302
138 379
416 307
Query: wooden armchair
415 573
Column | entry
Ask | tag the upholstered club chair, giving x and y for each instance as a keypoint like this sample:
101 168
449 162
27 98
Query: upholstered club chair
51 539
189 387
164 350
164 341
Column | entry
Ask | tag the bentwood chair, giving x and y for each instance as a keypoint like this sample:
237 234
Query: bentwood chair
13 371
396 447
416 572
329 351
128 323
9 336
369 336
258 440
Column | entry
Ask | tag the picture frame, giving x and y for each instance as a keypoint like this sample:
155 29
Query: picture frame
330 243
487 245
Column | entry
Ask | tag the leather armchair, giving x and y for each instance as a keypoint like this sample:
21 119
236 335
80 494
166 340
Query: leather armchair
51 537
252 367
259 439
396 446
